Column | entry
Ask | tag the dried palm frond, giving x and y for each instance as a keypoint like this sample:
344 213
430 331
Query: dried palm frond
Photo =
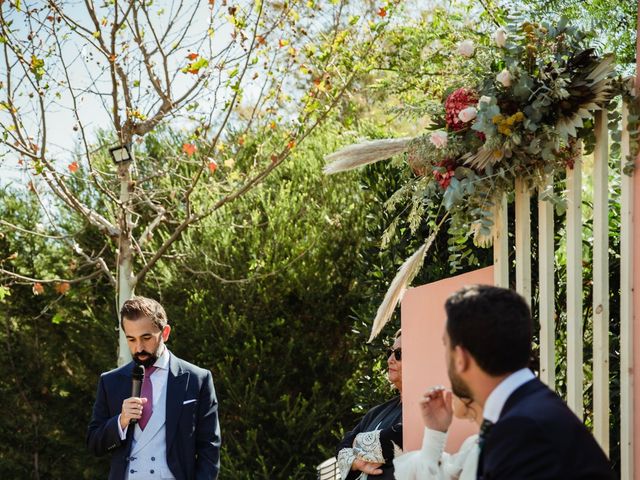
482 158
588 91
355 156
400 283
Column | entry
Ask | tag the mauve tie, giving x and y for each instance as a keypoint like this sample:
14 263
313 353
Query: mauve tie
147 392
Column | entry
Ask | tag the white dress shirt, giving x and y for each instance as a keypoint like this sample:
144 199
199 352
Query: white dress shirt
158 381
498 397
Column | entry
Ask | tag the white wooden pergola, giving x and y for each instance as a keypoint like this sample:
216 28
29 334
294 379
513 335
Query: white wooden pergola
629 347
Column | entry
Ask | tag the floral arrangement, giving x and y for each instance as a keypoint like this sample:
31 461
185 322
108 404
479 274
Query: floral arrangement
520 113
521 119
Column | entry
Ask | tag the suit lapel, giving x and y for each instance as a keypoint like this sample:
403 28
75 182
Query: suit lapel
176 388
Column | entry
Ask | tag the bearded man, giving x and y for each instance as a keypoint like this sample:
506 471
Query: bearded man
171 430
528 432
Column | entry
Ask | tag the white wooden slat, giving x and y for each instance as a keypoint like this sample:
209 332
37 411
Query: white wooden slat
601 283
627 464
523 240
574 286
546 256
501 245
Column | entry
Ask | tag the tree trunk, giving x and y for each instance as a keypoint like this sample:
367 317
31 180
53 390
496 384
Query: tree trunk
125 278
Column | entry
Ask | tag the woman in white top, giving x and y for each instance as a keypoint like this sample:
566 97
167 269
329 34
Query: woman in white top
431 462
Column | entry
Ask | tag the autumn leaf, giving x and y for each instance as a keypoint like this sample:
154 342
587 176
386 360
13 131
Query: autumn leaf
37 67
73 167
195 66
272 125
193 56
213 165
189 148
241 140
291 144
62 288
382 12
261 40
37 289
283 43
274 158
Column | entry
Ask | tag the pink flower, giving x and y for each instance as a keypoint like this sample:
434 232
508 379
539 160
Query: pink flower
500 37
439 139
468 114
466 48
504 77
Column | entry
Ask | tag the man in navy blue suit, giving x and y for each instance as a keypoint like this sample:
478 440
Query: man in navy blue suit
171 430
528 432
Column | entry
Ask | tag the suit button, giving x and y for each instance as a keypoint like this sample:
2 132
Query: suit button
150 471
153 459
132 471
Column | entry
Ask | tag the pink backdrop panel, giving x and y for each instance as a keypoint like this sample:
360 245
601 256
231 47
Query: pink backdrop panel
423 365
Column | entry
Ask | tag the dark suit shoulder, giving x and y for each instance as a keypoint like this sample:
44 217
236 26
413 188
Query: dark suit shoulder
538 436
190 367
123 370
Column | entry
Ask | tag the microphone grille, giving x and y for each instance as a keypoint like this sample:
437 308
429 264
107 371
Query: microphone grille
138 372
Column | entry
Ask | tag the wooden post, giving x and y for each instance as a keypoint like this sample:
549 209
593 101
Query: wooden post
601 282
574 286
546 257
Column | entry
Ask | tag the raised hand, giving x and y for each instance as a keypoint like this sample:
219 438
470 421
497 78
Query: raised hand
436 409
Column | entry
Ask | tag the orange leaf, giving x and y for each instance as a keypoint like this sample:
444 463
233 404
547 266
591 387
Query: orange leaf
189 148
241 140
261 40
73 167
213 165
195 71
272 125
62 288
291 144
274 158
382 12
192 56
37 289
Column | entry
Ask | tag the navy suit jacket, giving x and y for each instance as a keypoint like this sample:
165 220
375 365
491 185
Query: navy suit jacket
193 433
538 437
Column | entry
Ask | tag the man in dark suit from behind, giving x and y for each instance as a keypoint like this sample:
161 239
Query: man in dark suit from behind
528 432
171 430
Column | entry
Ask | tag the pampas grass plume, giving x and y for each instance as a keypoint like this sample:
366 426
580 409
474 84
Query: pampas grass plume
355 156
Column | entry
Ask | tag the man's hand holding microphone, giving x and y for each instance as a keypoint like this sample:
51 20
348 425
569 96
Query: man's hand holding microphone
132 406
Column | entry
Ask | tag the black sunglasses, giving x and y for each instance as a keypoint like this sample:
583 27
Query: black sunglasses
397 353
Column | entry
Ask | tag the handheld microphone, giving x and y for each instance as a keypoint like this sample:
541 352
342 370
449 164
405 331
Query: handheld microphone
136 384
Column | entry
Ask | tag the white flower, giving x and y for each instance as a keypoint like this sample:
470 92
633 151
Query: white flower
500 37
504 77
485 99
439 139
466 48
468 114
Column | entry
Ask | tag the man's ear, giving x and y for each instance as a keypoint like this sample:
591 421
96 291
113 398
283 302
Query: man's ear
165 332
461 359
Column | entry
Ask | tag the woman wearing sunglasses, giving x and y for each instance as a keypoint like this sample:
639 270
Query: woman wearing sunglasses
368 450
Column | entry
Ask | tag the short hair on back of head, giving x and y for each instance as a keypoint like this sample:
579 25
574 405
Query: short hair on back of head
493 324
143 307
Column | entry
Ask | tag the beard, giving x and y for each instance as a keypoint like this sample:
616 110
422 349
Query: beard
458 386
150 359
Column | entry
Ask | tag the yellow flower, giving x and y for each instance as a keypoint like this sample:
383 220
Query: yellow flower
497 119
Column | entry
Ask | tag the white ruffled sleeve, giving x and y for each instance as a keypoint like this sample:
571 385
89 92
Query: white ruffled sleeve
432 462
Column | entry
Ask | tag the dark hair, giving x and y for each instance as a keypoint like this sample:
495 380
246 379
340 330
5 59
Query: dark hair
493 324
143 307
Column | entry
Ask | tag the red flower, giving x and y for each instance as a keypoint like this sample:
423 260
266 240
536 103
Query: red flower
456 102
444 178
